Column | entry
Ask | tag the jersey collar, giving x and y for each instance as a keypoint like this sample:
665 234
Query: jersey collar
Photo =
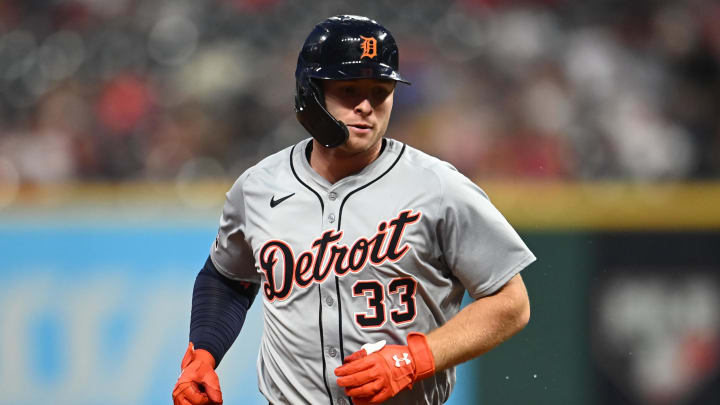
388 155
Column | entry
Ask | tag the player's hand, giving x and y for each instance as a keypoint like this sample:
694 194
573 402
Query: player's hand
378 372
198 384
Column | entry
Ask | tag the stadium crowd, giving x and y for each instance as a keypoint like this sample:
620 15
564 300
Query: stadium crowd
161 89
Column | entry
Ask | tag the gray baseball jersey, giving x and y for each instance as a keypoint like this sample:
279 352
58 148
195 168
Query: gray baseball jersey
374 256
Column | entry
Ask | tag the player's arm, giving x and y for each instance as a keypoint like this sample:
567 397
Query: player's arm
219 306
482 250
481 325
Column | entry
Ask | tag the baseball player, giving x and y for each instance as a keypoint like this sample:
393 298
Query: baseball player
361 249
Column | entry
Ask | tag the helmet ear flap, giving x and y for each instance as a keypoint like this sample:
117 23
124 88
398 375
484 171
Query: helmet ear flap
316 88
302 89
311 113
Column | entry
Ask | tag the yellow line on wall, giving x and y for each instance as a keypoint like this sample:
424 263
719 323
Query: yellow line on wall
607 206
528 205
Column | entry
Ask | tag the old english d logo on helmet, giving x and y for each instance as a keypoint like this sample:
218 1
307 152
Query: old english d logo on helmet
369 47
344 47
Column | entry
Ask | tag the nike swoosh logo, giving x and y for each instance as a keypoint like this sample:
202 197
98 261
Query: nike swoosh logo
274 202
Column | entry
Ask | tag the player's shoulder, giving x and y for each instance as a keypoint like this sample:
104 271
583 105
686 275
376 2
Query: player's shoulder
278 161
417 158
425 163
447 179
275 165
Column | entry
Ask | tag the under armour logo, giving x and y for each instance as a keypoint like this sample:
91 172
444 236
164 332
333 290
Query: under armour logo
369 47
398 360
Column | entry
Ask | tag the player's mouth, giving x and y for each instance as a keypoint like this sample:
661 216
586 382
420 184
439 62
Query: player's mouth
361 128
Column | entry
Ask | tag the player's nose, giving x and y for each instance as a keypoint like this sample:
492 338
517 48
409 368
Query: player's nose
364 107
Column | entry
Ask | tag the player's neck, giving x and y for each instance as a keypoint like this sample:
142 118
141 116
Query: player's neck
335 164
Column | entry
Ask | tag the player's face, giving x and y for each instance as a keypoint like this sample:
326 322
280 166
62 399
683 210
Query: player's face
364 106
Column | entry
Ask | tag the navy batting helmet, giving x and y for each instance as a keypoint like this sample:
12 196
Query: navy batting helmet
343 47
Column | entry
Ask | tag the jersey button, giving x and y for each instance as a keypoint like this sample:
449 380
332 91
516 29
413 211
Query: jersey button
331 218
329 301
332 352
332 196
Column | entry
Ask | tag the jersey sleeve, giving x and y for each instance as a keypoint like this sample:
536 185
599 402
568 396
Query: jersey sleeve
230 253
478 244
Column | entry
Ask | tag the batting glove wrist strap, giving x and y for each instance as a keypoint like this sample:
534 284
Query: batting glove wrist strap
200 355
421 353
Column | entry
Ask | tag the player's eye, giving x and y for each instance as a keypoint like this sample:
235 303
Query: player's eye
380 93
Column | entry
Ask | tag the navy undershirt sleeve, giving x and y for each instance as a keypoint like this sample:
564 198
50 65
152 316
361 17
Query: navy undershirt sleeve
219 306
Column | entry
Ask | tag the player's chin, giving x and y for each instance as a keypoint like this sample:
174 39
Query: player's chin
358 143
359 136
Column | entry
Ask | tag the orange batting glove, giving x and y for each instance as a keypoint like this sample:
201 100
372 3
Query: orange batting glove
377 371
198 384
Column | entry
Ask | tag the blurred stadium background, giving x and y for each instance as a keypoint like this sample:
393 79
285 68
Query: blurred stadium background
594 126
